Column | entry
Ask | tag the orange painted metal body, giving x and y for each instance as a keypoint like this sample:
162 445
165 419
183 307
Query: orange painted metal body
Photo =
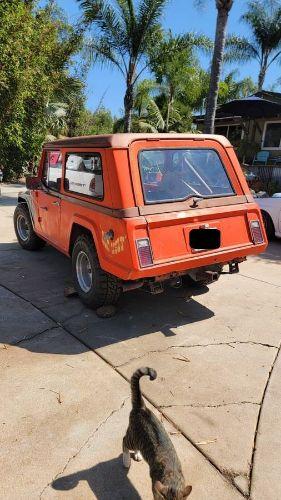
123 211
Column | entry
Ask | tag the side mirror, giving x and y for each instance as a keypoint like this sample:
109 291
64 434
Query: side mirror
33 183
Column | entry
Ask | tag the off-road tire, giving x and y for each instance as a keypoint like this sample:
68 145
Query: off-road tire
269 226
105 288
33 242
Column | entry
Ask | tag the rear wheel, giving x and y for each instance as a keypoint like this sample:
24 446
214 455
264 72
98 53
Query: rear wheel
95 287
269 226
26 236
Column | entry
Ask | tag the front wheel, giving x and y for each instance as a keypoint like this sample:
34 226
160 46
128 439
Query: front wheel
25 234
95 287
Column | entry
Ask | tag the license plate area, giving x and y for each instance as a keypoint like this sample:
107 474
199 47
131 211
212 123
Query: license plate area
204 239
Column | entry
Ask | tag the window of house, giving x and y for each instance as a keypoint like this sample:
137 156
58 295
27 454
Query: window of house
232 132
272 135
222 130
83 174
52 170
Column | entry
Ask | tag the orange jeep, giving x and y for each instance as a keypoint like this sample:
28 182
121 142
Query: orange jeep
134 210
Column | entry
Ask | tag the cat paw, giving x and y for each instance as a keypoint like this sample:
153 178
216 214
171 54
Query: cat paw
138 456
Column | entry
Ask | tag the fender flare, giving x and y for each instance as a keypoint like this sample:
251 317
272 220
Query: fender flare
88 224
25 197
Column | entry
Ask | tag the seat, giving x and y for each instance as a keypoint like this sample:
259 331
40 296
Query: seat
261 157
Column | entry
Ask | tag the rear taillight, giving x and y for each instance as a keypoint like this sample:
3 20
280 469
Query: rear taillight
256 232
144 252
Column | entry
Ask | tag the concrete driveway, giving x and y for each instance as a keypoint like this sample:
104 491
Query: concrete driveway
64 380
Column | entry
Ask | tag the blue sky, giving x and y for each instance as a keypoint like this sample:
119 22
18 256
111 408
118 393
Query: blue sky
180 16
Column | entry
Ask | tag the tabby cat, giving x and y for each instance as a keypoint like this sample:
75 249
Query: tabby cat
147 438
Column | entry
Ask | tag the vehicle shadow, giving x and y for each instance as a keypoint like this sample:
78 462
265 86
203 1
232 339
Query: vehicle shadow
273 252
40 279
107 480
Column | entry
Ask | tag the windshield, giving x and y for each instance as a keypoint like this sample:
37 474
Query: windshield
177 174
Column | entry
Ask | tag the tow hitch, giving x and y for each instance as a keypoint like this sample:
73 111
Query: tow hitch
233 267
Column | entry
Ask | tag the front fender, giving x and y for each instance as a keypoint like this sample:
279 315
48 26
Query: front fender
25 197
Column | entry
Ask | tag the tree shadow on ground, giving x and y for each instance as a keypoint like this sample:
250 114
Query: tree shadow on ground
107 480
8 201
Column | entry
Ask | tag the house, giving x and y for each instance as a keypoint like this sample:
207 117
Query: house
252 125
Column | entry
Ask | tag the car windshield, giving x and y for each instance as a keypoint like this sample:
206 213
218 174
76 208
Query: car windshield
177 174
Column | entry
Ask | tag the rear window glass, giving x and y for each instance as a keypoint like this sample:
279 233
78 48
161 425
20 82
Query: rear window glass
177 174
83 174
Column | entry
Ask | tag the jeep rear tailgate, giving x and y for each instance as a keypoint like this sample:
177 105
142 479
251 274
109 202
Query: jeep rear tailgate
183 235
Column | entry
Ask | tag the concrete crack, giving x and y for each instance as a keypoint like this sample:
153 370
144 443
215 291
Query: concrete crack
259 418
83 445
73 316
194 405
256 279
28 337
163 351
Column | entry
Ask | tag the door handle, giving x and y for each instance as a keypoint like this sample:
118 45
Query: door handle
57 203
44 208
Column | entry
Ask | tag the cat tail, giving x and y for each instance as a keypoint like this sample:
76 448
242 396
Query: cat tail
137 399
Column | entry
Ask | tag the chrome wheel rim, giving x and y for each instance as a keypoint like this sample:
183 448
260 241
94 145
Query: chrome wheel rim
84 272
22 228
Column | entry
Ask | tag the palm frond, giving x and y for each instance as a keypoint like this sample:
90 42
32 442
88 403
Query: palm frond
146 127
101 51
264 19
154 114
194 40
239 49
101 14
127 12
148 16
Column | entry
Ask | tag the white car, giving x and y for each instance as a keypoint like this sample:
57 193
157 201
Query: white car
271 212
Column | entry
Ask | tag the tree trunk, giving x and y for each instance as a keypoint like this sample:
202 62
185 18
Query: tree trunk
129 98
169 106
212 99
128 105
262 74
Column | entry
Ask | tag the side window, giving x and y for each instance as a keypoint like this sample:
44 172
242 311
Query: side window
83 174
52 170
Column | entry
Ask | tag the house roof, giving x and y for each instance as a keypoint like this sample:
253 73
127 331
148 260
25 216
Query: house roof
123 141
263 104
271 96
252 107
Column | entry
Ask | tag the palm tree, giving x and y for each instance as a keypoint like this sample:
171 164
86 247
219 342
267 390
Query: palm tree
223 8
173 61
124 34
150 110
230 88
264 20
